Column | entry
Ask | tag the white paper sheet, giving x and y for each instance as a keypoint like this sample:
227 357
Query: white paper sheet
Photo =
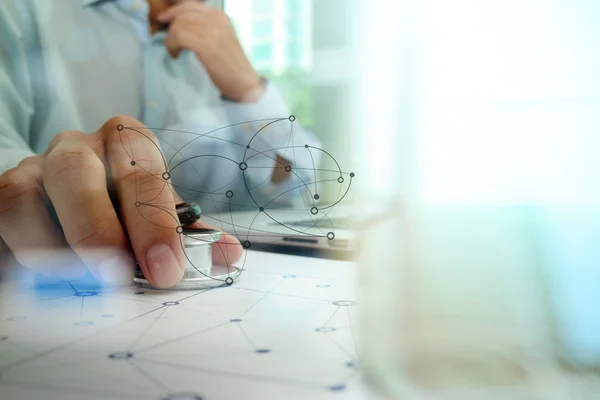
285 330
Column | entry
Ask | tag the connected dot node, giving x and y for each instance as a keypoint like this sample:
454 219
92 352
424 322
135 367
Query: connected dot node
170 303
83 323
85 294
289 276
107 315
337 387
323 286
183 396
263 351
121 355
17 318
3 338
235 320
259 204
325 329
344 303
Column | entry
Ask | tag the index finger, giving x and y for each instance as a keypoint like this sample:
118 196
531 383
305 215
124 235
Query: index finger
147 204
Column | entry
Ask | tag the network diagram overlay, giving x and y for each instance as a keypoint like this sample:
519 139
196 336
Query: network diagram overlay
285 329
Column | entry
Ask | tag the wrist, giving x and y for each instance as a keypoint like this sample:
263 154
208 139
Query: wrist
252 92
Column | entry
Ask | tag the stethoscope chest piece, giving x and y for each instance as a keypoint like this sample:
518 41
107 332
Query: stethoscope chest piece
199 271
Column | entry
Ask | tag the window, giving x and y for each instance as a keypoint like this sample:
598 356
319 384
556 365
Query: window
305 48
263 28
262 52
262 6
277 38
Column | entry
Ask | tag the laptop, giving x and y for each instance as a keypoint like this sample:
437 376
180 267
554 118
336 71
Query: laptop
326 229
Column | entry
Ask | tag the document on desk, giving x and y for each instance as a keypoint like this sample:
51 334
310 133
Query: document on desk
287 328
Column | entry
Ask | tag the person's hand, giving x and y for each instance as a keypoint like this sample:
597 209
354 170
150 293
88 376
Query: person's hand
72 181
209 33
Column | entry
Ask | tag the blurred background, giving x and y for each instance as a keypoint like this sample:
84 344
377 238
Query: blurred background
482 101
477 123
306 47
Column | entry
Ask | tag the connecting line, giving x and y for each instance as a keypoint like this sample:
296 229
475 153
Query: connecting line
339 346
60 304
154 144
350 376
70 296
352 331
124 298
281 294
314 169
150 376
148 312
254 230
73 287
81 365
332 315
239 375
81 308
247 337
194 295
261 299
147 329
65 345
62 389
180 338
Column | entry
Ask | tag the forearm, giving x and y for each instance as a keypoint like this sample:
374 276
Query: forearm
276 153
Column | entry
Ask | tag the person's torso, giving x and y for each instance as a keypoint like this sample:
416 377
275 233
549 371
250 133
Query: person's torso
97 59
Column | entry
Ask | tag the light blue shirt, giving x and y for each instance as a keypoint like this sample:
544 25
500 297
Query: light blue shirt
73 64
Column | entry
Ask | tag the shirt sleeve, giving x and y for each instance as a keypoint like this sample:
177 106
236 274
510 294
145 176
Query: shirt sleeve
16 100
268 129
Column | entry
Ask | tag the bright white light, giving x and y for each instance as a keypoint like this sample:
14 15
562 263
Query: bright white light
509 100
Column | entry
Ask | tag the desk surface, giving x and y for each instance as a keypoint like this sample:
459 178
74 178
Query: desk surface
285 329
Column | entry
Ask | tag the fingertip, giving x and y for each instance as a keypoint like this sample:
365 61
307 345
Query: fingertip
227 250
164 268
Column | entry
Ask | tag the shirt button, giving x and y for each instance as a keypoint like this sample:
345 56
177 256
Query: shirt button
136 5
153 104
